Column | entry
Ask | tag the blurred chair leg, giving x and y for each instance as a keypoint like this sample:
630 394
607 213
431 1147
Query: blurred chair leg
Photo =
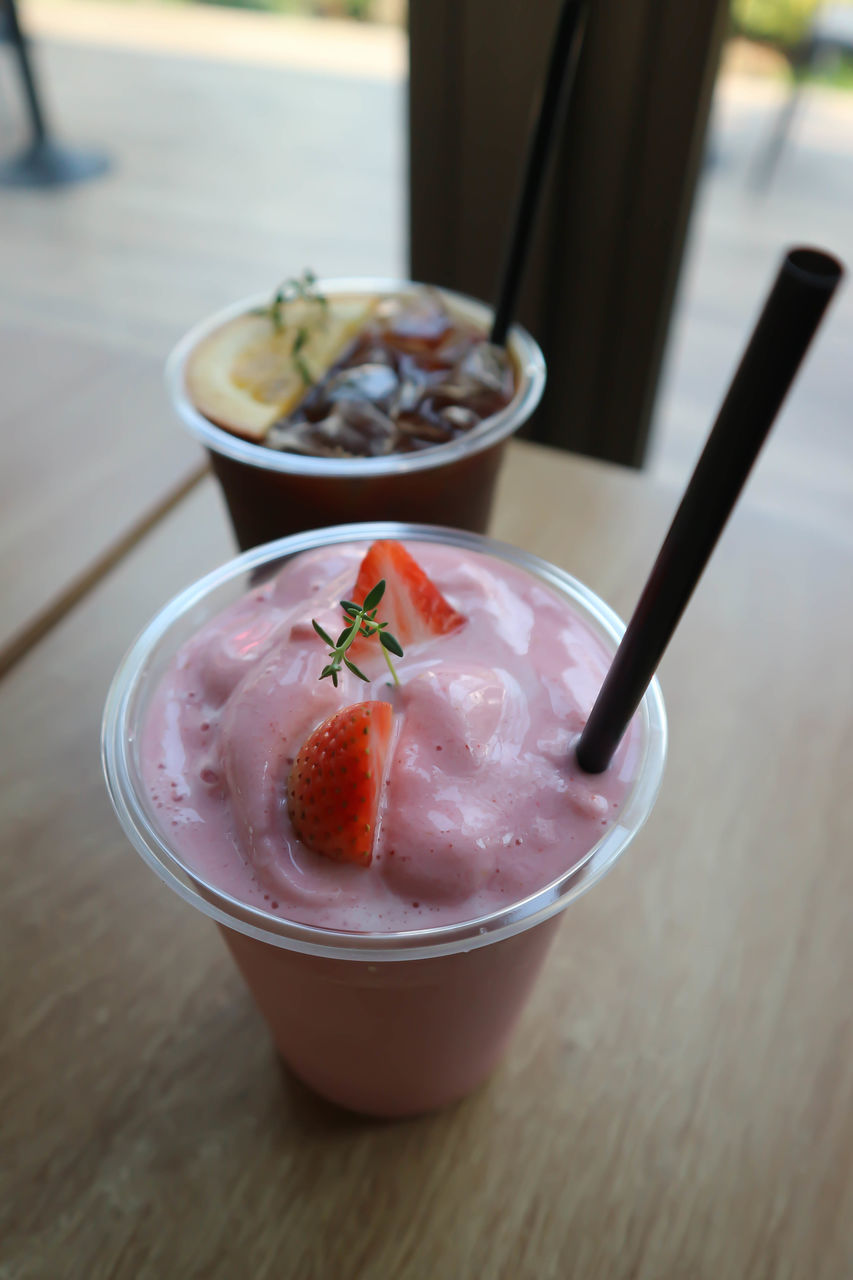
765 164
43 162
767 160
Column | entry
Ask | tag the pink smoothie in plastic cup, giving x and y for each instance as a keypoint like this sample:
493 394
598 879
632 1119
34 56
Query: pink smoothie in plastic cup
390 988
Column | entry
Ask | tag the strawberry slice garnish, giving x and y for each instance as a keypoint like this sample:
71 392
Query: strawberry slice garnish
412 605
333 792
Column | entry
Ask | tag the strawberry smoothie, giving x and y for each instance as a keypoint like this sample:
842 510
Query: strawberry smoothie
387 856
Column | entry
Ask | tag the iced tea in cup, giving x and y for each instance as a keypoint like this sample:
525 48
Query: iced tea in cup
386 410
391 961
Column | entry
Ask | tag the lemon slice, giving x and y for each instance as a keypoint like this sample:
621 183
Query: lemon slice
246 375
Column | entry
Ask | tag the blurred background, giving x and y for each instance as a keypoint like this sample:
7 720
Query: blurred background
247 141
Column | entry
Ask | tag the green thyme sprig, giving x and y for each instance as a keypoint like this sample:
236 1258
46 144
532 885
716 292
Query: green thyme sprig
299 341
361 620
302 287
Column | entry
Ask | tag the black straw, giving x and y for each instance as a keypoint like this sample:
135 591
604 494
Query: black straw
806 281
562 65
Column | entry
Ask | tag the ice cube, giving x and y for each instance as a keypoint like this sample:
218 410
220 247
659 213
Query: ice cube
423 427
296 437
370 349
378 432
461 392
354 428
419 321
460 417
376 383
464 391
489 366
409 392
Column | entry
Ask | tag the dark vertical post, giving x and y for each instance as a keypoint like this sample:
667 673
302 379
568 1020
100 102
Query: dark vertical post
599 289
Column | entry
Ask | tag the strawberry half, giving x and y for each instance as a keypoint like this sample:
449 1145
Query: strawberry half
333 792
412 605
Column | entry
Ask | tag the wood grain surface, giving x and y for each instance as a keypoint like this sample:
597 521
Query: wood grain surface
90 450
678 1101
234 177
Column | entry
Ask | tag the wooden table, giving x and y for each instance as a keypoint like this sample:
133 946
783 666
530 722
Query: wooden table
678 1102
90 455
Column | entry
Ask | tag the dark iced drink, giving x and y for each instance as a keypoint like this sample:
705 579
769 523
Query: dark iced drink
364 399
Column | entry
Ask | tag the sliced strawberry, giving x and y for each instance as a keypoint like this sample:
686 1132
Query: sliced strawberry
333 792
412 605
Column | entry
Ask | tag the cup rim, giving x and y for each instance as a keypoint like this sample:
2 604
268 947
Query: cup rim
526 352
127 793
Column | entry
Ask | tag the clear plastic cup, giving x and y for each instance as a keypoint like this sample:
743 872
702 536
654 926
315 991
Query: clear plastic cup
388 1024
270 493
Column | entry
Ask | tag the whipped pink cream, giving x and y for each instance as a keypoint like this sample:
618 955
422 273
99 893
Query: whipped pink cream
482 803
